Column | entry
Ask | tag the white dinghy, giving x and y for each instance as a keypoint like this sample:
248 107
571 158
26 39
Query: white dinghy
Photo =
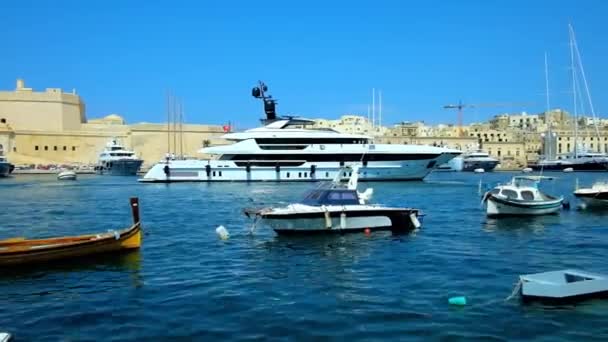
562 286
335 208
521 196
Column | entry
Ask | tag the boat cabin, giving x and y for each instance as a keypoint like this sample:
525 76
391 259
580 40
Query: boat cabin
320 197
522 189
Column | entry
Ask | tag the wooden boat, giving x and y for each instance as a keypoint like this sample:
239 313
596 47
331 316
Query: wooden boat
19 251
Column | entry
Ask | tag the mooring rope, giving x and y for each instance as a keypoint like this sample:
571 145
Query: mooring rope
515 290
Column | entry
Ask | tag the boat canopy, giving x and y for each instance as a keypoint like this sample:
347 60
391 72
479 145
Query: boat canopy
331 197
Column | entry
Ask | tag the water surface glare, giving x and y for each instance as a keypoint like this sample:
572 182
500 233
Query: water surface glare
186 283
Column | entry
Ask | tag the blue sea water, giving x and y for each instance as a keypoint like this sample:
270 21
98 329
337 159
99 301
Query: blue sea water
187 284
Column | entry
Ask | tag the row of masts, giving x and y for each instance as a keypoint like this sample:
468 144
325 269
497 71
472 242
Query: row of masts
575 62
175 127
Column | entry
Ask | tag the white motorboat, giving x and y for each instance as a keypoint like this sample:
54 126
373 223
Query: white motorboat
67 175
335 208
287 149
596 196
521 196
115 160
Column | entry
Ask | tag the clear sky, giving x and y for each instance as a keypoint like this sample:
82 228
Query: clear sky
319 58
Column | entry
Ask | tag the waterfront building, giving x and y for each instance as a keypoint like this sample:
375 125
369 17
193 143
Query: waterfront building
51 127
352 124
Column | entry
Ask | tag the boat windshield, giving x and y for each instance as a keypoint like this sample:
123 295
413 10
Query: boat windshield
331 197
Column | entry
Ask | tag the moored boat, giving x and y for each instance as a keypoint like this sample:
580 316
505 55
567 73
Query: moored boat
521 196
5 167
334 208
115 160
563 286
596 196
67 175
19 251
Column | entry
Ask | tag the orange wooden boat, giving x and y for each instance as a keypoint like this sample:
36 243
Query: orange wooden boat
18 251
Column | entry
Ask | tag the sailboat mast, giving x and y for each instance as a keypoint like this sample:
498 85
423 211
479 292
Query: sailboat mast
181 129
580 64
373 107
168 124
574 93
548 114
380 109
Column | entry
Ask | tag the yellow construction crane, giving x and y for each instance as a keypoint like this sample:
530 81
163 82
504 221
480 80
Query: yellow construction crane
460 106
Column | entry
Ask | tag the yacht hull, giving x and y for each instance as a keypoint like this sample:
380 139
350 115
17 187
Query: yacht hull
587 166
218 170
5 169
502 207
119 167
485 165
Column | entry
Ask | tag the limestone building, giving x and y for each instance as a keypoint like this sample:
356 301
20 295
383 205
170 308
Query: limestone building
51 127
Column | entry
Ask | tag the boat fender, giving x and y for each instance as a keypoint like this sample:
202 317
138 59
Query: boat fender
167 170
414 220
460 301
248 167
327 218
313 169
343 220
566 205
222 232
208 170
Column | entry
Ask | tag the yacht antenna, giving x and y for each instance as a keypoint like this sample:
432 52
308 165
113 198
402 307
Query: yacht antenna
174 110
259 92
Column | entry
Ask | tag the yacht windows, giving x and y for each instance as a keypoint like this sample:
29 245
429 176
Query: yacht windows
527 195
327 157
220 173
299 174
308 141
326 174
509 193
213 173
305 174
287 174
120 154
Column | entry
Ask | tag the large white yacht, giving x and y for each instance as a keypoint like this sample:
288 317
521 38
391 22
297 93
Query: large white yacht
284 149
5 167
115 160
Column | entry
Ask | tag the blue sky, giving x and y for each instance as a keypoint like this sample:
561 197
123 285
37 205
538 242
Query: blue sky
319 58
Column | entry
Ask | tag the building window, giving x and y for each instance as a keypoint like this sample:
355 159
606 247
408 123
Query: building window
498 153
54 148
65 148
46 148
73 148
517 153
14 149
36 147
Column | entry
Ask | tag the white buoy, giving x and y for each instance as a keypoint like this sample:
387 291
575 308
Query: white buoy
222 232
480 170
568 169
327 219
527 170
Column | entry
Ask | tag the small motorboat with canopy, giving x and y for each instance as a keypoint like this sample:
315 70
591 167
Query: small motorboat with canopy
336 208
521 196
